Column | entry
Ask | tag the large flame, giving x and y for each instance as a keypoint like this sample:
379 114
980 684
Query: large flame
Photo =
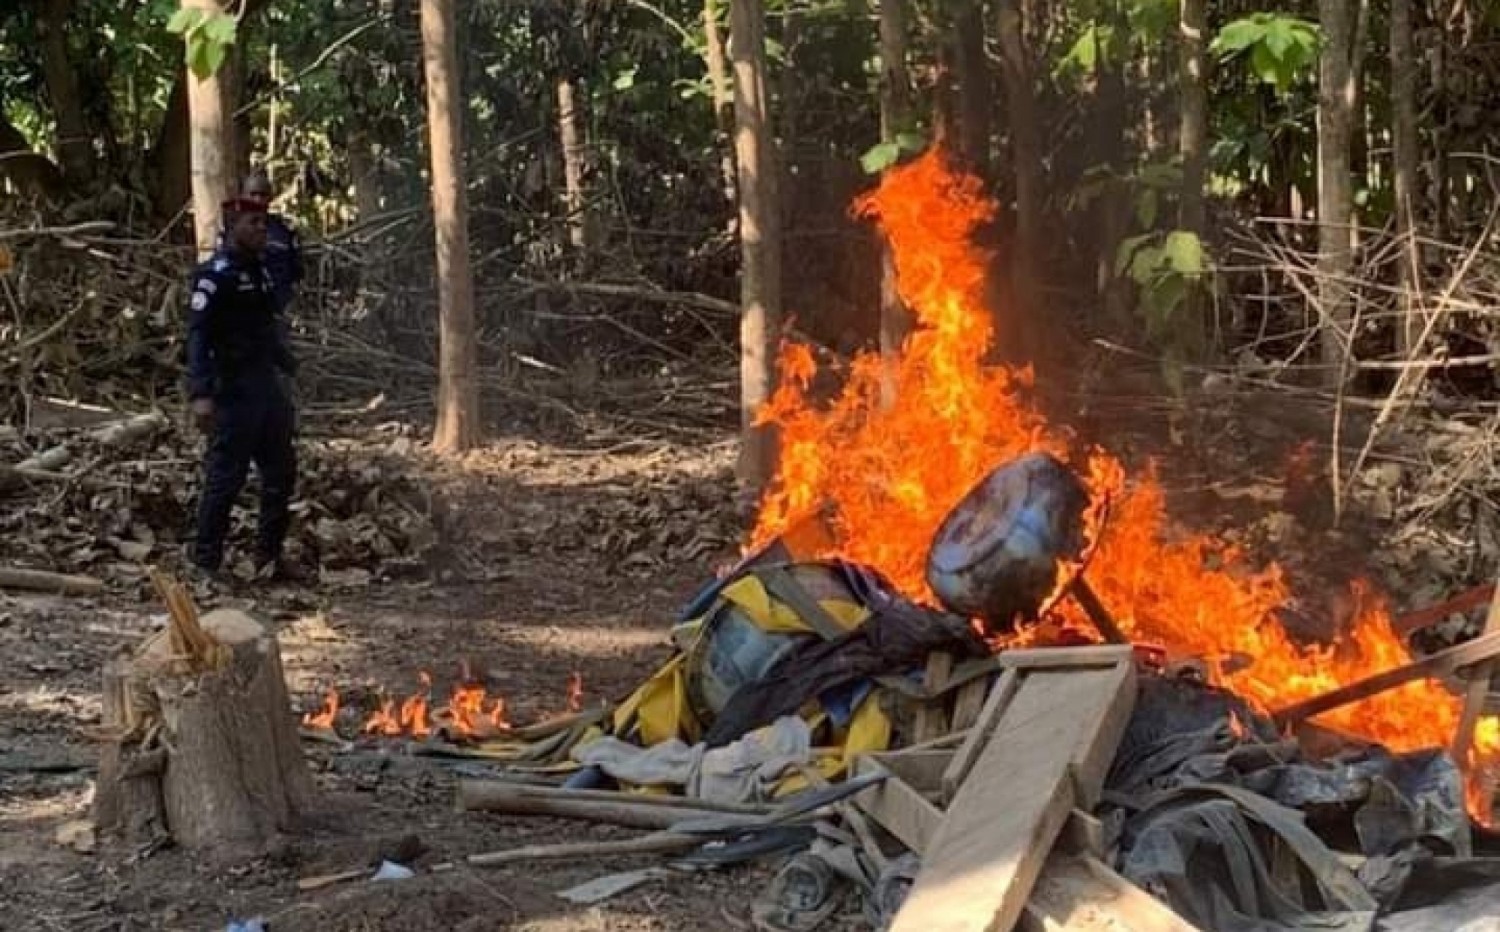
891 472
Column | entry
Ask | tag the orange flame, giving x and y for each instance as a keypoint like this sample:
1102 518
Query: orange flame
892 472
575 691
469 712
325 718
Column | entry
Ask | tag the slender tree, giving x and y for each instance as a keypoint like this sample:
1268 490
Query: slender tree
74 146
458 393
1192 137
1336 99
1405 162
895 107
760 239
208 134
570 135
1026 161
723 99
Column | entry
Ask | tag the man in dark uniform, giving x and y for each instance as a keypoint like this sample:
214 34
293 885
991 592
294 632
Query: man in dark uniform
237 357
283 257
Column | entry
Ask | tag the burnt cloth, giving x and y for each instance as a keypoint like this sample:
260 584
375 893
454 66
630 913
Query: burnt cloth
896 638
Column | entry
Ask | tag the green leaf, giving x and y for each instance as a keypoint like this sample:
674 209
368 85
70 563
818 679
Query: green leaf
1184 253
911 142
1145 265
1237 36
1125 252
880 157
185 20
1278 37
204 58
1146 206
625 80
221 28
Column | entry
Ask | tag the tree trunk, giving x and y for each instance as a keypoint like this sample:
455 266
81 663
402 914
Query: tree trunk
895 108
1405 166
760 241
1335 185
1193 135
718 76
1193 147
209 135
171 157
1439 124
200 743
974 95
237 127
458 391
570 135
1359 152
74 146
1106 140
1026 160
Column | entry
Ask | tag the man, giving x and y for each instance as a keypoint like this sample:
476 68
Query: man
237 355
283 259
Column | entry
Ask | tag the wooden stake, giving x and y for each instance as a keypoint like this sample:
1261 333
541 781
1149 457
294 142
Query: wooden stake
43 581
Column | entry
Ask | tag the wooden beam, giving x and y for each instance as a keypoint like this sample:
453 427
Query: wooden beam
1005 817
1442 663
1082 894
1478 691
932 716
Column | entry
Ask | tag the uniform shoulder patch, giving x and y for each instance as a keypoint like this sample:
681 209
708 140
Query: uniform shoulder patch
207 284
219 265
200 301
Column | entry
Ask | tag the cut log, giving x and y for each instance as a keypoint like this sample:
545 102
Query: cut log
200 740
43 581
1044 756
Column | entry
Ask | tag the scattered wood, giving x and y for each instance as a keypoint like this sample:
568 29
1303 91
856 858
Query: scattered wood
200 742
654 843
932 718
979 736
993 842
308 884
629 810
44 581
1432 614
473 793
1442 663
900 807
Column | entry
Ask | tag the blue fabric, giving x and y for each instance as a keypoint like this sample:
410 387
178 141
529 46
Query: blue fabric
841 701
251 427
235 335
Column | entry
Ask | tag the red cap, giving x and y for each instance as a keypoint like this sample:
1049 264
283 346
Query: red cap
242 205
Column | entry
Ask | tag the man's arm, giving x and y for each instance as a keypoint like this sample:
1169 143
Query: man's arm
203 368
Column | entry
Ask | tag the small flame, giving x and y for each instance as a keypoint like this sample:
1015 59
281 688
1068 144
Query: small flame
325 718
469 712
575 691
1237 727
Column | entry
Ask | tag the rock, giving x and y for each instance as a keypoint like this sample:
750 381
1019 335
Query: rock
77 835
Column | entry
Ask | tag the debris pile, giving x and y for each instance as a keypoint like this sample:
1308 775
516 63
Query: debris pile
107 499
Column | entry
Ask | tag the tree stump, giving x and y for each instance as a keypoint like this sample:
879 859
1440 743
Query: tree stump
200 742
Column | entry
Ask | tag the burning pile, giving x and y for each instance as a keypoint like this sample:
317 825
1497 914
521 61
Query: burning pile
891 474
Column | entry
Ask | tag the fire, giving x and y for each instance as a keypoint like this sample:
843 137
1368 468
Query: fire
469 712
892 472
329 713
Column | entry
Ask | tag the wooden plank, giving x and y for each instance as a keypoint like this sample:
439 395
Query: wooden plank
1005 818
1082 894
1442 663
1475 695
932 716
1081 834
989 716
1042 658
1101 737
898 807
969 704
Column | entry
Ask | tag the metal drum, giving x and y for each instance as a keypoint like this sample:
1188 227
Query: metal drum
995 556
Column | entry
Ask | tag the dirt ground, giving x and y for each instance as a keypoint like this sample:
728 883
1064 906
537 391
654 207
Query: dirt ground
564 560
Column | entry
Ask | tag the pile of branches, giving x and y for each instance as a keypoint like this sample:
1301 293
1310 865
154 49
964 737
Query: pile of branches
108 498
1414 438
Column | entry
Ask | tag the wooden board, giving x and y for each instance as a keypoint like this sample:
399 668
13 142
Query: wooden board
1082 894
898 807
989 716
932 715
1041 658
1005 817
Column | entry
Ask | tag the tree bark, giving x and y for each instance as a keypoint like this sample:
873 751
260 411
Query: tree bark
1193 134
208 137
974 95
895 114
570 136
1336 99
458 391
1405 165
1026 161
760 241
723 99
171 155
74 145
